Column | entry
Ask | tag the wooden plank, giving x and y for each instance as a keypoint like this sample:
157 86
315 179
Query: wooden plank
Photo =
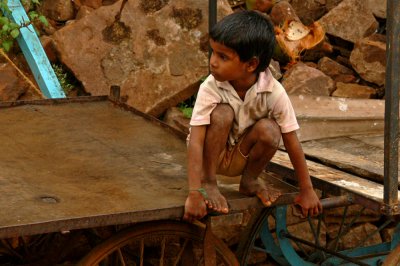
324 117
362 156
35 54
346 182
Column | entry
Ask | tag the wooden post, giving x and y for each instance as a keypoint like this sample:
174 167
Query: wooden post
392 107
34 53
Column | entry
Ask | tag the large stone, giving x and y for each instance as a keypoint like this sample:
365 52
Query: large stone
337 71
11 86
352 90
154 53
378 7
351 20
368 58
332 68
302 79
92 3
309 10
58 10
330 4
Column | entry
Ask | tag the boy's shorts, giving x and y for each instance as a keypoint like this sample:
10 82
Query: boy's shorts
232 161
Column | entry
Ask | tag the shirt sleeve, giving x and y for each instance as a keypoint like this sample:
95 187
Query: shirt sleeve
206 100
284 114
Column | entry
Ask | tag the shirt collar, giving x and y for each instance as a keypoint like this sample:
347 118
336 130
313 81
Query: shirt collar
264 83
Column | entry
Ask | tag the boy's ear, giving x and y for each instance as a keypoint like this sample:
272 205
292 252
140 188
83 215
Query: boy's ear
252 64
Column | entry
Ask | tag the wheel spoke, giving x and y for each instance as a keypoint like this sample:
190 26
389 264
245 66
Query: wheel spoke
141 251
121 257
162 252
179 256
342 224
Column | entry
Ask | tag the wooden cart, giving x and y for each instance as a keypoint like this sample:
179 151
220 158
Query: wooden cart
75 167
91 181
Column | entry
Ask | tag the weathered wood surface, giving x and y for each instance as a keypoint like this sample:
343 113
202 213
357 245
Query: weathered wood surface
324 117
84 164
361 155
332 180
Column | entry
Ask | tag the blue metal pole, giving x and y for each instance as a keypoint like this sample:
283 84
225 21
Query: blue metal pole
392 105
34 53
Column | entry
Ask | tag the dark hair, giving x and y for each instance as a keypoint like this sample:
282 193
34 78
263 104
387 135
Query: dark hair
249 33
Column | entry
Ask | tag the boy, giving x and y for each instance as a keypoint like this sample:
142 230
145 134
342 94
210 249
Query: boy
240 115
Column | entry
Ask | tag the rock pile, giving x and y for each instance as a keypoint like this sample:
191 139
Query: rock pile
157 51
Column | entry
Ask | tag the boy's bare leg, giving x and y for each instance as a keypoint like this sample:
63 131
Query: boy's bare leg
216 138
261 143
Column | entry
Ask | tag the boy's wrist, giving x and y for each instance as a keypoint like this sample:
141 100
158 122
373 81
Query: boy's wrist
306 188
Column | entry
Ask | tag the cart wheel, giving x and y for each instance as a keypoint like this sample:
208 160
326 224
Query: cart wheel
157 243
251 242
270 234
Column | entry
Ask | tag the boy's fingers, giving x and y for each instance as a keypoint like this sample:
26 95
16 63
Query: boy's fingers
305 212
187 218
267 203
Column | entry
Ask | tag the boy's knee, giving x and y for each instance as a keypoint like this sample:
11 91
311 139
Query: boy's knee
222 115
269 132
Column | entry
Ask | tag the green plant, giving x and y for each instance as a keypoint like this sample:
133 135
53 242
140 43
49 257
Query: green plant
10 30
186 107
64 78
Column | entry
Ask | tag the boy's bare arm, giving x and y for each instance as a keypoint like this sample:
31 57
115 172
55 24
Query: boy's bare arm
307 198
195 156
195 207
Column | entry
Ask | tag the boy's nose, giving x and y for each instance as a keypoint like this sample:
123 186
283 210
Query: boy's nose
213 62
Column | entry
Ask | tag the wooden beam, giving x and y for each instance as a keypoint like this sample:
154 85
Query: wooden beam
34 53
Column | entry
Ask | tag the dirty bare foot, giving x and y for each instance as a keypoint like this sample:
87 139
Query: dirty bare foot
215 201
253 187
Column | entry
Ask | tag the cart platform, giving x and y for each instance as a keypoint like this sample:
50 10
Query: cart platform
88 162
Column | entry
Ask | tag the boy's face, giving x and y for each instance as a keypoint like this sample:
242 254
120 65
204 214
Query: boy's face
225 64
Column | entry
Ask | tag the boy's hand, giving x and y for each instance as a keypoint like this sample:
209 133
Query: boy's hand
309 202
195 207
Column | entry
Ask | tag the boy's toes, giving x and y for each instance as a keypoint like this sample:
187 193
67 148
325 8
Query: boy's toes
266 198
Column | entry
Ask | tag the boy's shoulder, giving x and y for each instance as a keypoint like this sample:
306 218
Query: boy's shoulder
212 84
209 82
267 83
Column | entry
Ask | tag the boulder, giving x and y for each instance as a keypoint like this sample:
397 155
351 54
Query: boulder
378 7
11 86
332 68
154 52
309 10
58 10
338 72
351 20
352 90
329 4
368 58
302 79
91 3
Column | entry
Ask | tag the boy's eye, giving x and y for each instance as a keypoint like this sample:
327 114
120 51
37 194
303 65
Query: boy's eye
223 57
